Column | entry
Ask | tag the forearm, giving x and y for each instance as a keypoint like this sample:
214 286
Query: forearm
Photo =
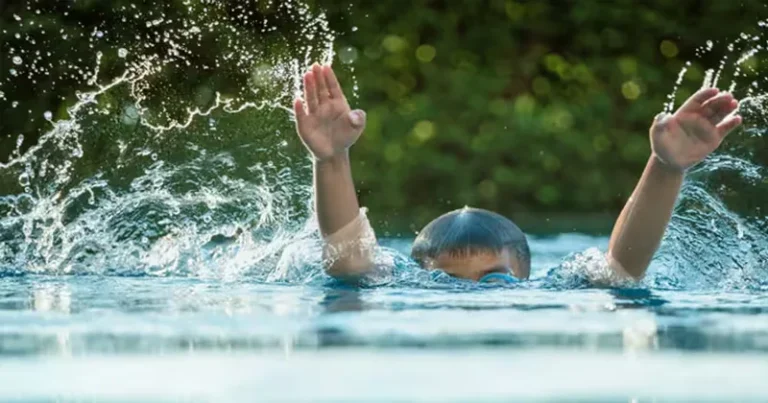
348 238
335 198
641 224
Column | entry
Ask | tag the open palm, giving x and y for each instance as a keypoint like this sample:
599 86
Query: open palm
327 126
685 138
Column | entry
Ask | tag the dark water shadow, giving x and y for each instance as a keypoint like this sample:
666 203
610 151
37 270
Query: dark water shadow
637 298
338 300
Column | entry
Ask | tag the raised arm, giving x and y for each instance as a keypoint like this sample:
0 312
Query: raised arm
328 127
678 141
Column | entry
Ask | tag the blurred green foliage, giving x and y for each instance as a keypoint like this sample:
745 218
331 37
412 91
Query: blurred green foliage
522 107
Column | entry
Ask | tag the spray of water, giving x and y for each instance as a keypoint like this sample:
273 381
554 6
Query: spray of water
137 179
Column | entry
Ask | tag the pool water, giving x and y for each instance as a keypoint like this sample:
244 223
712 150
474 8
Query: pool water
106 338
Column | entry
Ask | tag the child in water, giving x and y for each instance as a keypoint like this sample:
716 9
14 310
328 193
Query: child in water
477 244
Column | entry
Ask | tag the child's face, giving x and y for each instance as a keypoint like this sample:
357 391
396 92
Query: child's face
476 265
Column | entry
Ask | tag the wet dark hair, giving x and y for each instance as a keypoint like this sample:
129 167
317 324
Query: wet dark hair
471 231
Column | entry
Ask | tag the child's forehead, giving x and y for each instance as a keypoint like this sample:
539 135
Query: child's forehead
474 254
475 261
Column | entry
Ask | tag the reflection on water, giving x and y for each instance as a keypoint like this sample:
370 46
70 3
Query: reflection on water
641 334
342 300
90 314
54 298
49 297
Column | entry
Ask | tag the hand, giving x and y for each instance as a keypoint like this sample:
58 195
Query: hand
681 140
327 126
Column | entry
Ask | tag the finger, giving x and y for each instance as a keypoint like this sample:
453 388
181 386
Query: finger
727 125
334 88
727 110
322 89
695 101
718 107
301 114
310 92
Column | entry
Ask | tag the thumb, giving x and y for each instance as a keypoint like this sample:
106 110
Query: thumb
660 121
661 117
357 119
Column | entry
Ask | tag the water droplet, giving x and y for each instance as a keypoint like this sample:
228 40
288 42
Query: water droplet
354 29
122 53
48 115
24 179
99 34
130 115
14 104
709 45
348 55
17 60
16 17
154 22
13 72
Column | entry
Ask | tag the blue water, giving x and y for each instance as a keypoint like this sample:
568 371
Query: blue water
107 338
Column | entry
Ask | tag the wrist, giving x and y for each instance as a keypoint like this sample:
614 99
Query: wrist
335 161
658 164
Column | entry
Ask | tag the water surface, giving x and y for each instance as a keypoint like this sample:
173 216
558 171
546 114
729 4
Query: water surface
109 338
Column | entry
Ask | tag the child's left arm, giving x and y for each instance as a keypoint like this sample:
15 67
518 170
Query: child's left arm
678 141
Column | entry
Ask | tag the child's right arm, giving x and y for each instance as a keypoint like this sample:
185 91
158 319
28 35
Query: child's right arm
328 127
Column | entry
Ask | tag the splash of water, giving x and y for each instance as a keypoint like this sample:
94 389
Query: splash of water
717 237
137 179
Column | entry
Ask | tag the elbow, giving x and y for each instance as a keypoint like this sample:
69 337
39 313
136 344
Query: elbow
352 261
626 267
348 267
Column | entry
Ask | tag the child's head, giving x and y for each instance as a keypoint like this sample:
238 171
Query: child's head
470 243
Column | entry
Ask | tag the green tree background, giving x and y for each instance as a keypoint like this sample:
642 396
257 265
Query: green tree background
536 109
